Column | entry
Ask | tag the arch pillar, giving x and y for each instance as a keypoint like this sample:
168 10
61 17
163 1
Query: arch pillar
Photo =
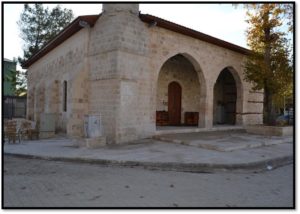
240 91
208 107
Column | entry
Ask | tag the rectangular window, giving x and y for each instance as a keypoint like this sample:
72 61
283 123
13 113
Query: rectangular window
65 97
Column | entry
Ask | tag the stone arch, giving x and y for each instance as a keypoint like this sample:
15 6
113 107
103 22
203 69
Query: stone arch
238 85
200 78
192 57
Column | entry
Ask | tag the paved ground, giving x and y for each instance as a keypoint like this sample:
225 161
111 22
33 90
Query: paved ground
165 155
40 183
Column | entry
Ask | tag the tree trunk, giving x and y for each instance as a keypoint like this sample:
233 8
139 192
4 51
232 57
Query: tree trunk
269 109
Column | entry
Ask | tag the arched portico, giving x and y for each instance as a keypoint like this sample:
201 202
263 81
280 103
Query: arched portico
228 102
181 71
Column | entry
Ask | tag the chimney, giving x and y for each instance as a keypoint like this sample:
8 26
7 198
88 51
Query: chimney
113 8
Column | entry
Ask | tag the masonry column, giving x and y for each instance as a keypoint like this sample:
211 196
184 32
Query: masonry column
117 76
209 115
116 8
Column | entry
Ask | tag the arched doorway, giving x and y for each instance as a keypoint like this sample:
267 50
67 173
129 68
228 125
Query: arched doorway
225 98
179 93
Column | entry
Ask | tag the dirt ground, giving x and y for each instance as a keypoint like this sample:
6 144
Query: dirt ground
41 183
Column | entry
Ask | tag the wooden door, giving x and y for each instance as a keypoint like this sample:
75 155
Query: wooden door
174 103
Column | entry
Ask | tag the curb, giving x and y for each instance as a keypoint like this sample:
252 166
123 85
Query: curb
257 166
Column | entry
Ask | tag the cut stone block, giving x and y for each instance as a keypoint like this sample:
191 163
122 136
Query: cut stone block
94 143
44 135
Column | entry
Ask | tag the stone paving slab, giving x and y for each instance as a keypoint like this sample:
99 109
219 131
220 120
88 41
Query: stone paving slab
223 141
150 153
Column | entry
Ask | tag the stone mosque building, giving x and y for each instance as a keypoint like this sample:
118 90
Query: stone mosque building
139 73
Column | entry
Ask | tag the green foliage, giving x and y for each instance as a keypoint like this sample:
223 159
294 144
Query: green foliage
39 25
18 82
269 67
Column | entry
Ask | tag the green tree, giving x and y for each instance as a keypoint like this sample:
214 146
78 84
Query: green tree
18 81
38 25
269 67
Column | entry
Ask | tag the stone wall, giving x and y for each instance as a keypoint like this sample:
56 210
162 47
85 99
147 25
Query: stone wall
45 84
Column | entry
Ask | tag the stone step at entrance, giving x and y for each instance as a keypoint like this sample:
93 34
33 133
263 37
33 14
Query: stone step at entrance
162 130
223 141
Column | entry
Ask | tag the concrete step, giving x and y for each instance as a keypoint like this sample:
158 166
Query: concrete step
228 143
162 130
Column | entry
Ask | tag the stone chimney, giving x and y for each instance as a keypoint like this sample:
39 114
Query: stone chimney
113 8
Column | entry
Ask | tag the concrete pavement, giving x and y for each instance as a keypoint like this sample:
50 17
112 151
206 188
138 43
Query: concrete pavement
156 154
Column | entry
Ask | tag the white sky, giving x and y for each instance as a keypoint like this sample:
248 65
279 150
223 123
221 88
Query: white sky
219 20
